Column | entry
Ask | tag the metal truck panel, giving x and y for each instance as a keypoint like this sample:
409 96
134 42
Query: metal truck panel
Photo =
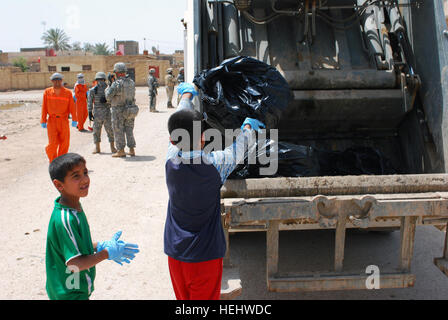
339 185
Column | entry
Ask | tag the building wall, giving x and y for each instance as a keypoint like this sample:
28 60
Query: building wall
445 8
5 77
13 79
179 59
130 47
29 56
4 58
141 65
74 62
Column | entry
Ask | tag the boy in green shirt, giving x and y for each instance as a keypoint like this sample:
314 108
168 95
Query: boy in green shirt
71 255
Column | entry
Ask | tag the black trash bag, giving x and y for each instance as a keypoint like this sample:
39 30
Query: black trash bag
248 169
354 161
293 161
243 87
304 161
297 161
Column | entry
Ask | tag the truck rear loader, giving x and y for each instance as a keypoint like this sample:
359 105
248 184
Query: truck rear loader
363 73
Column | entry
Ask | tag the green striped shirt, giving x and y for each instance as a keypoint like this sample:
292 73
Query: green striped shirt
68 237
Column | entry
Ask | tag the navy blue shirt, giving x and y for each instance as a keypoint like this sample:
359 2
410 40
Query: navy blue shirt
193 229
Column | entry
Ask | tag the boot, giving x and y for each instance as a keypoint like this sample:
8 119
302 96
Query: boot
119 154
112 148
131 152
97 148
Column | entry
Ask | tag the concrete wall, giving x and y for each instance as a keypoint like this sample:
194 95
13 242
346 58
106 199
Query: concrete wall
11 79
4 58
5 77
29 56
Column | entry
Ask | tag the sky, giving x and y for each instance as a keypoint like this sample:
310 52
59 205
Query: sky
95 21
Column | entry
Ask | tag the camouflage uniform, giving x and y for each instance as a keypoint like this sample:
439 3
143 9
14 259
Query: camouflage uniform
120 94
170 82
180 79
101 112
153 85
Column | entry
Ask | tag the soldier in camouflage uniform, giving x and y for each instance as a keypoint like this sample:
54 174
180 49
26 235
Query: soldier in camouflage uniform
153 85
99 113
180 79
120 94
170 82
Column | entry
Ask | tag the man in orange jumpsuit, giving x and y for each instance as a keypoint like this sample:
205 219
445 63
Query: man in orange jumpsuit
56 106
81 102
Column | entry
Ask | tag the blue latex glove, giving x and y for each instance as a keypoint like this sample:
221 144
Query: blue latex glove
43 125
118 250
186 88
74 124
254 123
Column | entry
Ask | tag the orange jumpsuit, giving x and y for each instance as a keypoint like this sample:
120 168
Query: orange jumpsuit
81 104
55 111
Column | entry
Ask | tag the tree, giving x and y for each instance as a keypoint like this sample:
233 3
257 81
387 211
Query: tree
88 47
76 46
102 49
21 63
56 39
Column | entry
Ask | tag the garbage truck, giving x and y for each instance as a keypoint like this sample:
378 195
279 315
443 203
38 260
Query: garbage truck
363 73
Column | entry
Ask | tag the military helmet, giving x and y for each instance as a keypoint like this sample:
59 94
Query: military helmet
80 76
181 69
100 76
152 71
120 67
169 70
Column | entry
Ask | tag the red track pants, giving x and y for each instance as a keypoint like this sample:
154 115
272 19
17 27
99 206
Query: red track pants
196 281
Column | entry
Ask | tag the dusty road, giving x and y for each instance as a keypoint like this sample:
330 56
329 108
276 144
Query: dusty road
130 194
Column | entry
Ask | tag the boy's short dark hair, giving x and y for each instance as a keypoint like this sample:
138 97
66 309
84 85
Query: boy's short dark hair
186 120
60 166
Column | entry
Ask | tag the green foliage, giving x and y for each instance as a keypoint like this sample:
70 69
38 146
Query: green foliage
88 47
76 46
102 49
21 63
56 39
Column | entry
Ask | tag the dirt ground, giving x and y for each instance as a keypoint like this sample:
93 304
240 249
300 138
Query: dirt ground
125 194
130 194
